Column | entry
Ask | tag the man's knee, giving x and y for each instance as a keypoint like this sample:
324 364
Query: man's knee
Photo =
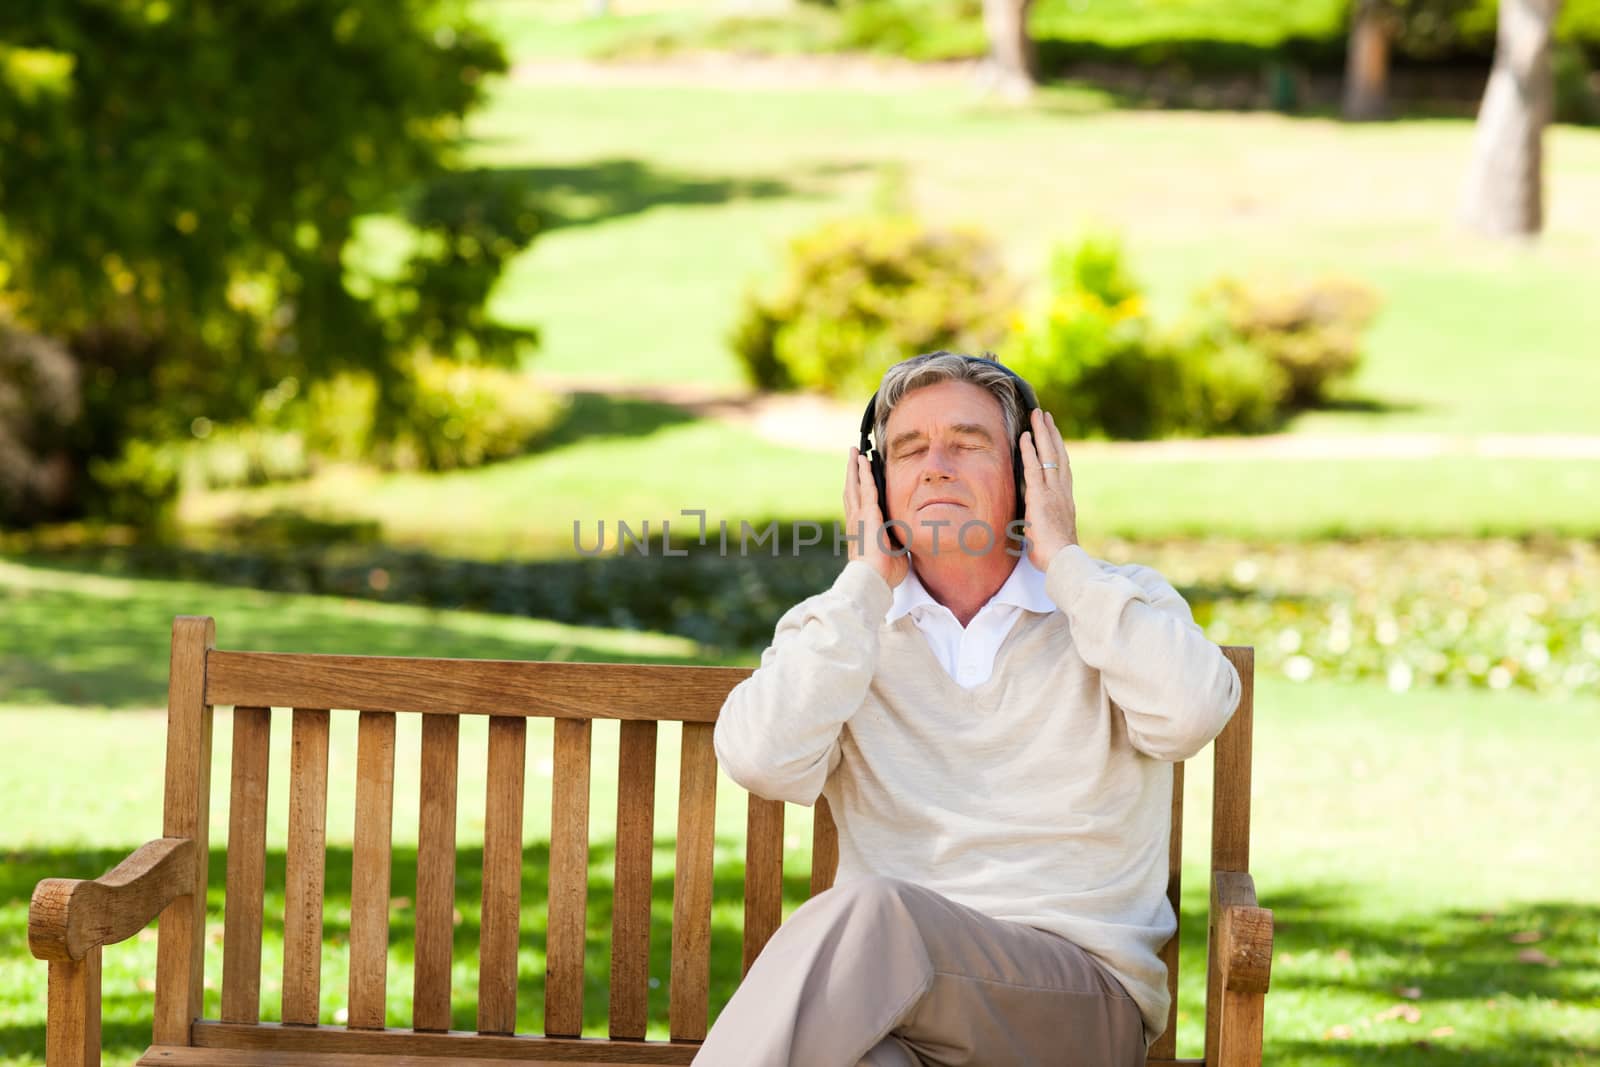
872 897
865 919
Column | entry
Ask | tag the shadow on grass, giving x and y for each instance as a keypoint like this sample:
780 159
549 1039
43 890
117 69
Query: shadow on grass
598 415
1452 955
613 188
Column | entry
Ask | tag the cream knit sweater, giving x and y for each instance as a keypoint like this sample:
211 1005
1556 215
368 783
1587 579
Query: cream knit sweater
1042 796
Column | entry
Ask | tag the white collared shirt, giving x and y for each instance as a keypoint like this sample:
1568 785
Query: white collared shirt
968 654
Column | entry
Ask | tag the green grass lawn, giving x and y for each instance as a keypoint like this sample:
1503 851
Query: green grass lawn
677 199
668 203
1416 848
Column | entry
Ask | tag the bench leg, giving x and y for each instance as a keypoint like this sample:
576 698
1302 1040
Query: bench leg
72 1022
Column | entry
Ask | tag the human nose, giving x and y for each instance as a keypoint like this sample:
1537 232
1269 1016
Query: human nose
938 464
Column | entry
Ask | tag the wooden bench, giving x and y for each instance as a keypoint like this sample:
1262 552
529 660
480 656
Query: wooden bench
71 920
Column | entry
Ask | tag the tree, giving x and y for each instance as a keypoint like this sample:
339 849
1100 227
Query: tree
1504 190
1366 72
181 186
1013 63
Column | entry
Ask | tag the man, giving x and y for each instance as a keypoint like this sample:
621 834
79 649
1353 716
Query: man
994 733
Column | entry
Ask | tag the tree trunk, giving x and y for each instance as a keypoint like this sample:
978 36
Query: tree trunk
1013 64
1366 70
1504 194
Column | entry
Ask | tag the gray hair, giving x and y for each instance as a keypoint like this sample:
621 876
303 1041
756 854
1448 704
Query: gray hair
935 367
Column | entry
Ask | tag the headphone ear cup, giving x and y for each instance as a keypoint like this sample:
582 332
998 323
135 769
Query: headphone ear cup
1022 483
881 480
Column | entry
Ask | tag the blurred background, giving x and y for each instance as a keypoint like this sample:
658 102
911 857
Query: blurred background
426 327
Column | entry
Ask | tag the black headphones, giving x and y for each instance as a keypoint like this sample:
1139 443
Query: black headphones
876 457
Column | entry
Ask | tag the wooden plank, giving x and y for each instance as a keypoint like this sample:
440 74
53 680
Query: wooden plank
689 996
1230 823
370 869
180 940
824 848
72 1012
168 1056
1230 818
632 880
396 1042
499 929
306 862
247 859
436 872
472 687
1166 1046
569 880
763 875
528 1051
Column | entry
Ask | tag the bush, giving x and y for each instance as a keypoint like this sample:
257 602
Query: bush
1099 365
456 415
863 294
1311 330
1577 87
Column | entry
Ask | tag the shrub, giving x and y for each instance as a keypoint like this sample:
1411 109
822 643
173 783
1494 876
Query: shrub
1311 330
862 294
1577 86
456 415
1100 366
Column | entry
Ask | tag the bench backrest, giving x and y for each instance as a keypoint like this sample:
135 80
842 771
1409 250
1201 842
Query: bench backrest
312 688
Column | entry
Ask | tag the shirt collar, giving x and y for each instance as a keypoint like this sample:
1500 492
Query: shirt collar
1023 588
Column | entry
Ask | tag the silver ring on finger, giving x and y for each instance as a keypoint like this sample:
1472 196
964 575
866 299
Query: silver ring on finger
1050 466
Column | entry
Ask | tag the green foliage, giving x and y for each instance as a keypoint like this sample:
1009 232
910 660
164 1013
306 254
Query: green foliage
455 415
1577 95
862 294
1099 364
179 189
1311 330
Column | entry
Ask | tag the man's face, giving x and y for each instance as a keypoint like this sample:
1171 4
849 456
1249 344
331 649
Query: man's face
949 461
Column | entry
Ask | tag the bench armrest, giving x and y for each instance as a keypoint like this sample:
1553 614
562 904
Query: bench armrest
68 917
1244 934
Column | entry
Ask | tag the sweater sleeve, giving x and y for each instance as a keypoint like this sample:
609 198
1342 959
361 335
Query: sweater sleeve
778 732
1175 688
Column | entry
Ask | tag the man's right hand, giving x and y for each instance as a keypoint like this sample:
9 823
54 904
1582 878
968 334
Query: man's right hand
863 514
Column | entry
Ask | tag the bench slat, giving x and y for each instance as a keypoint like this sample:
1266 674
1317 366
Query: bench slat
307 858
370 869
247 858
824 848
436 872
763 875
498 932
471 686
450 1047
689 1000
631 881
569 880
1166 1046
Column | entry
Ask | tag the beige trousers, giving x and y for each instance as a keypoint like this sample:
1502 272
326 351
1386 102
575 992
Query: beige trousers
885 973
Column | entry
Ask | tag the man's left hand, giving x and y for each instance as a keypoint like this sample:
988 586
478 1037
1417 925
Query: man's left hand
1051 515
